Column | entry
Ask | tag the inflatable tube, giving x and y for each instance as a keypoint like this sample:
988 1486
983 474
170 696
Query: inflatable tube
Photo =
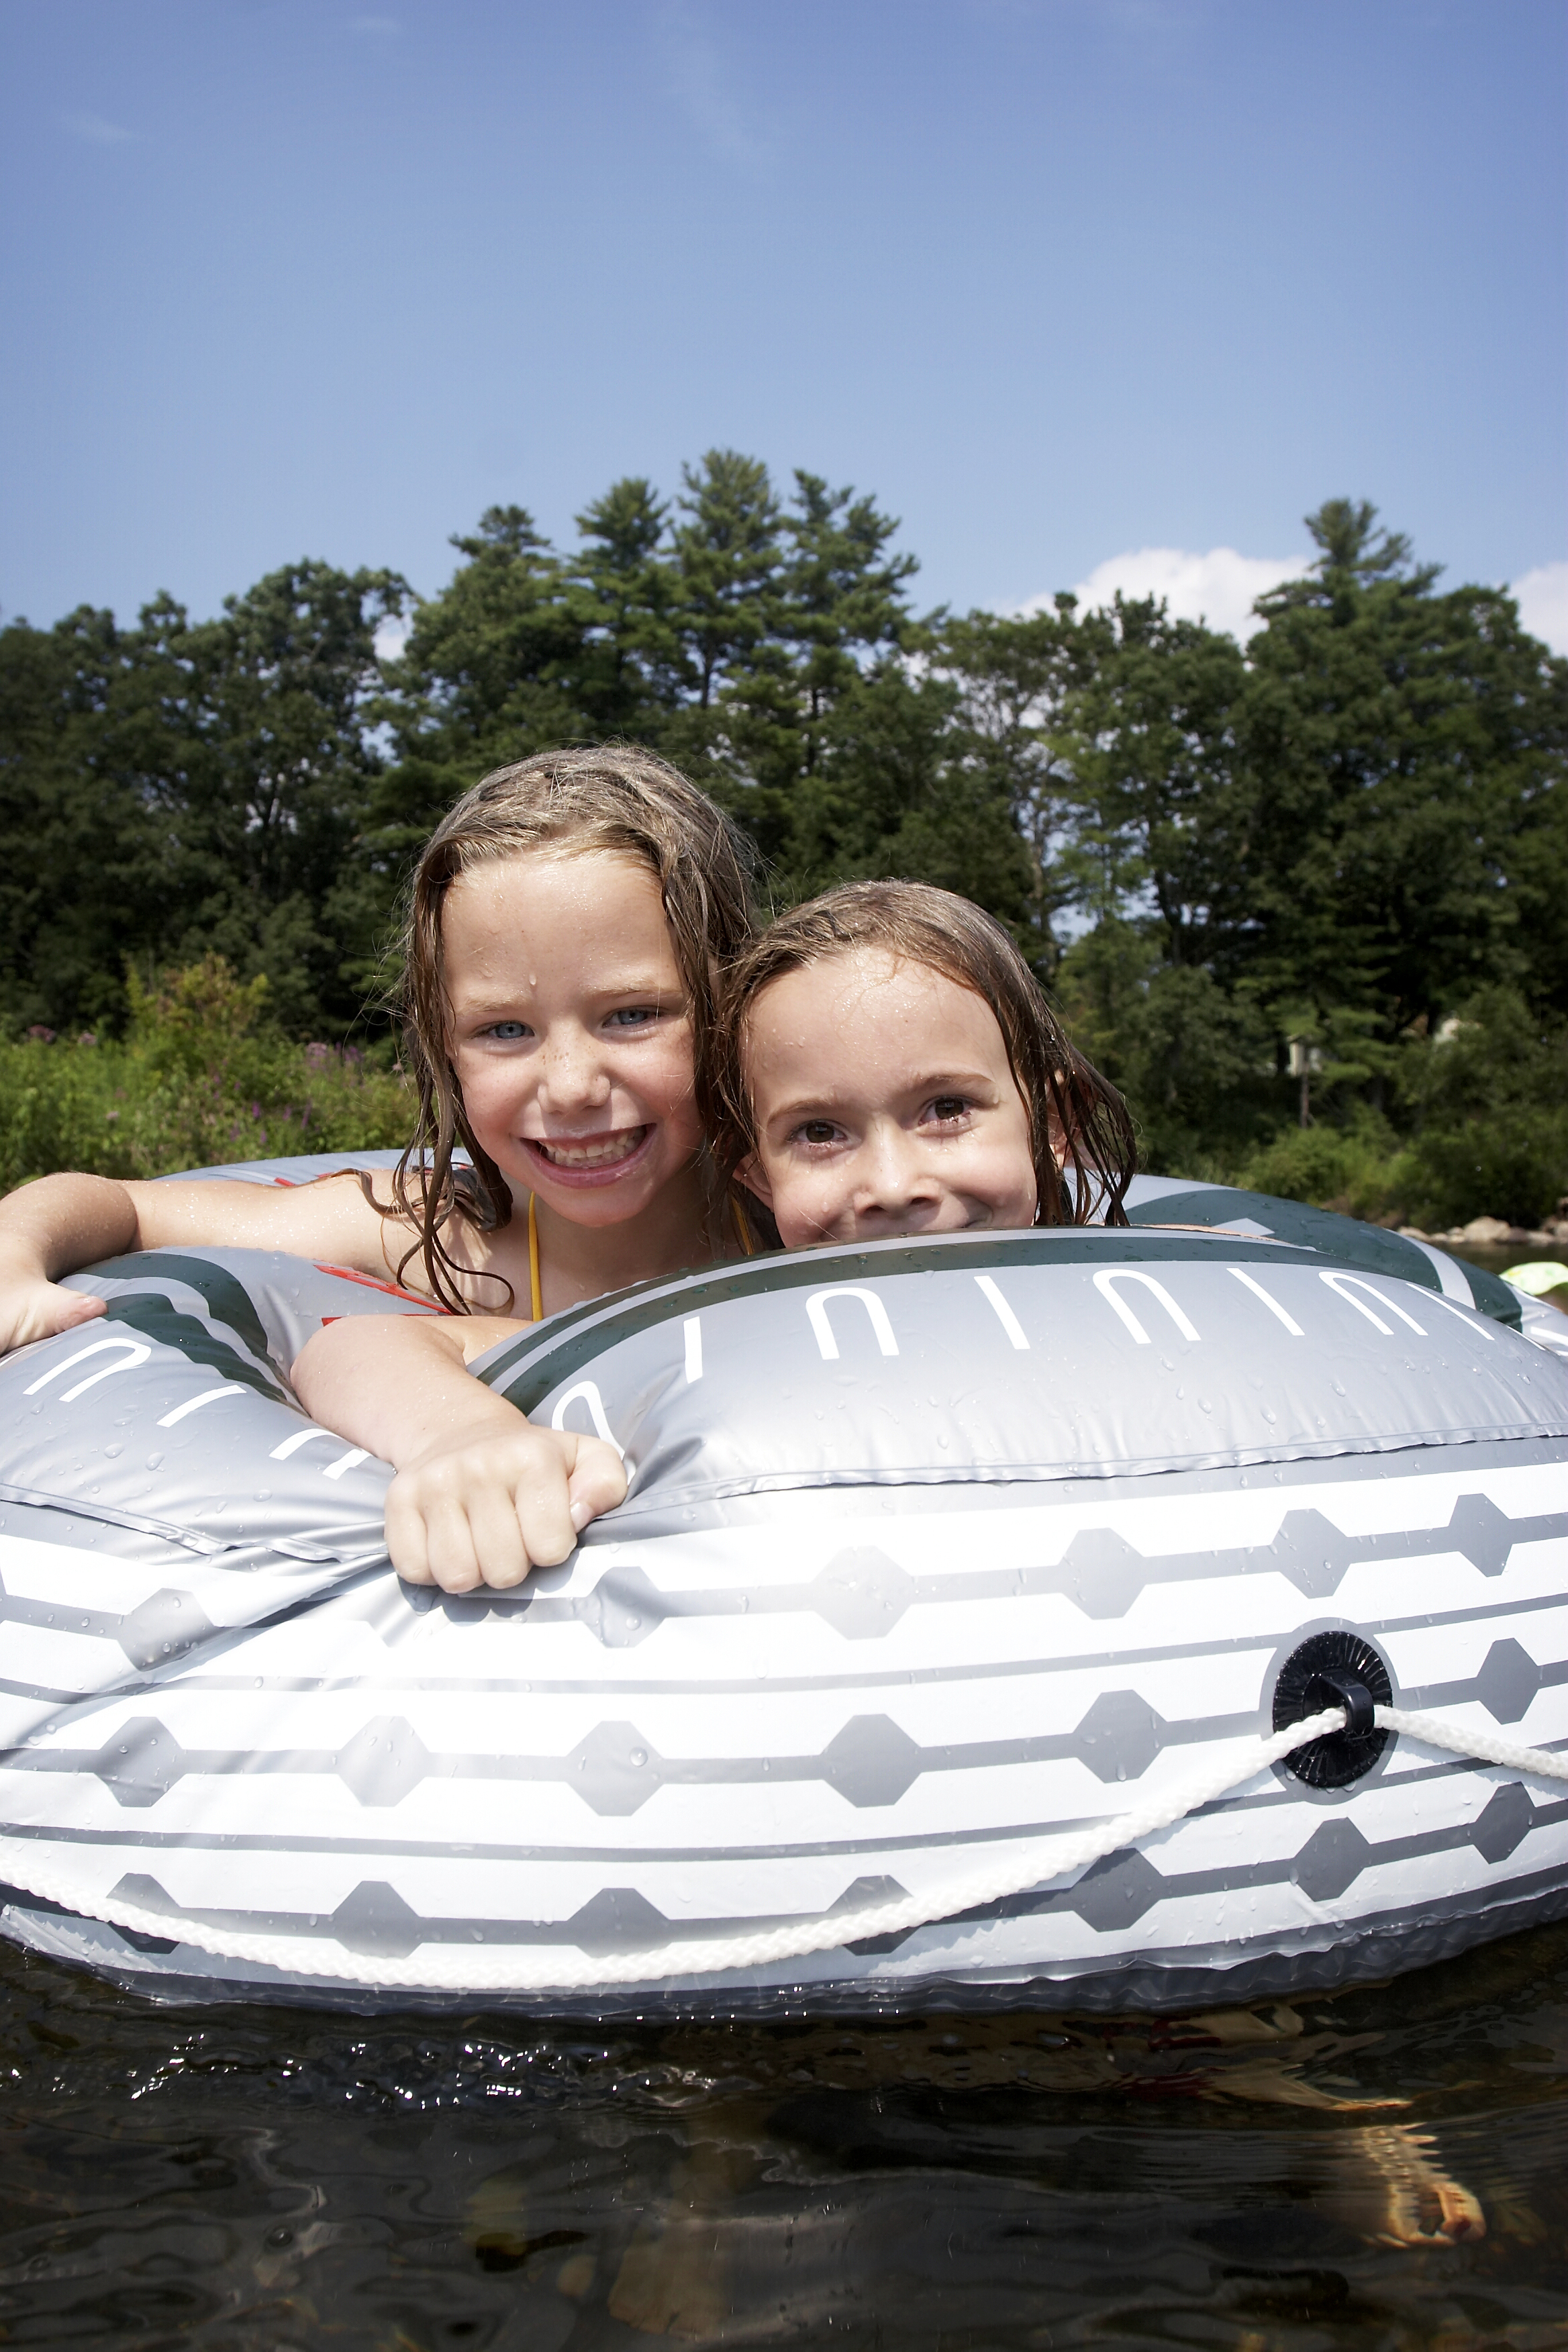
942 1565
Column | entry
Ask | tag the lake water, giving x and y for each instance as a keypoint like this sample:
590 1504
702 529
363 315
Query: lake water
1496 1260
254 2181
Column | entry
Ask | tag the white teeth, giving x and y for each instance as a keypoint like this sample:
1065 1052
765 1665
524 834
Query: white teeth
591 1155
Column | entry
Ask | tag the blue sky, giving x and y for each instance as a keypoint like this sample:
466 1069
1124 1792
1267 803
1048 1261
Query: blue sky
1059 280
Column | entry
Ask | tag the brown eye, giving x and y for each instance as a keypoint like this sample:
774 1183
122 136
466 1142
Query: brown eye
949 1106
819 1130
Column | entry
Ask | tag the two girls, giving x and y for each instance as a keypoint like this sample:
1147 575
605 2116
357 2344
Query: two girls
886 1065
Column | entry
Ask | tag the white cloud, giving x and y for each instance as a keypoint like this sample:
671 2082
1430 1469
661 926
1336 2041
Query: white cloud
700 81
1543 597
95 130
392 634
1218 587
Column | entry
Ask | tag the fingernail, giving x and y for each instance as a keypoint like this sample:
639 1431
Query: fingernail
581 1515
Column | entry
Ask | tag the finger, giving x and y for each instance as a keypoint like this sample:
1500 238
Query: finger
497 1537
74 1306
544 1513
454 1564
432 1527
405 1534
537 1472
597 1481
51 1309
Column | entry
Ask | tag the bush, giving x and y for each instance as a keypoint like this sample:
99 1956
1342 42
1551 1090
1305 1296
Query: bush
1358 1171
1492 1097
1488 1100
202 1079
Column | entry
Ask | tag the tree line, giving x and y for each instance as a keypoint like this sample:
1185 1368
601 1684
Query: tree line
1318 858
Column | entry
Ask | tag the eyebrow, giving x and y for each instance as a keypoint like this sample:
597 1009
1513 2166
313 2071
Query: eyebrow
934 1082
638 985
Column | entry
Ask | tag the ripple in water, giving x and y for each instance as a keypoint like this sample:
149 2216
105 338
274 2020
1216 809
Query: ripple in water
1382 2168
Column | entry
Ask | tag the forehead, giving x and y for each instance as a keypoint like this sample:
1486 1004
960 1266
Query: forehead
538 883
841 1007
547 903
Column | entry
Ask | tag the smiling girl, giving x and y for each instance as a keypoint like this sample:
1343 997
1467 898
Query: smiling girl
888 1064
567 922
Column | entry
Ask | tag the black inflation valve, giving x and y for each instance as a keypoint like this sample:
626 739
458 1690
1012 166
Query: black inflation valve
1336 1669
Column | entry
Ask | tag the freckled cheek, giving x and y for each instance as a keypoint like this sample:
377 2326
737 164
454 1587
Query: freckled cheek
668 1092
491 1089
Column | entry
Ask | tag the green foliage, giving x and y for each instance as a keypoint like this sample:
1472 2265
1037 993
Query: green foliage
1344 836
1358 1169
201 1079
1397 746
1196 1063
176 788
1491 1092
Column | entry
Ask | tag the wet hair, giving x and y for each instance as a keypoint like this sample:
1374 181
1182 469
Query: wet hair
1081 1130
616 800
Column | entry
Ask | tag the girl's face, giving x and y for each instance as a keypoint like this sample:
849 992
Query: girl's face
884 1105
570 1034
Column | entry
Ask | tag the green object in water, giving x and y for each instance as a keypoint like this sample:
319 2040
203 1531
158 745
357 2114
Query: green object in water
1546 1273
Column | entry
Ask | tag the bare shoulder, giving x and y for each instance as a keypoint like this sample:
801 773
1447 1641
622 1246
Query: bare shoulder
336 1218
340 1220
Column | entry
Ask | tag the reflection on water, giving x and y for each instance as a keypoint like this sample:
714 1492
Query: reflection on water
1498 1260
1381 2168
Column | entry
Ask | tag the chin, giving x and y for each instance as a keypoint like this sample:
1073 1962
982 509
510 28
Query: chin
606 1205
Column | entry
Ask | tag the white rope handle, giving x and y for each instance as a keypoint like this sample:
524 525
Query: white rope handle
471 1969
1483 1746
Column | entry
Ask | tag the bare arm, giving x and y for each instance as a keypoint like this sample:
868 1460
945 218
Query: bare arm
50 1228
481 1495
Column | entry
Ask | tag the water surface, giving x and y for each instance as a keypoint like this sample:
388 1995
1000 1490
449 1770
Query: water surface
1381 2168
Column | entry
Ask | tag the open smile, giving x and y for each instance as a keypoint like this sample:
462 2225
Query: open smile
591 1159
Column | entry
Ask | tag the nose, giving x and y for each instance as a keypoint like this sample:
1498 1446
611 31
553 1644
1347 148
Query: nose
575 1079
893 1174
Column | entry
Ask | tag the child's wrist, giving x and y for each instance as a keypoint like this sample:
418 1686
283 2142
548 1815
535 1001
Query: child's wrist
21 1260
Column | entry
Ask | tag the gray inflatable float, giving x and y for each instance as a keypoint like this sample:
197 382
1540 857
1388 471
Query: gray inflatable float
944 1566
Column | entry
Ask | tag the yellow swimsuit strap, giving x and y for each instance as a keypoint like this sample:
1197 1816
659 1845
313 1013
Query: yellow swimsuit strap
535 1301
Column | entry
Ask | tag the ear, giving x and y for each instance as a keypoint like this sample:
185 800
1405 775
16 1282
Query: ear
751 1175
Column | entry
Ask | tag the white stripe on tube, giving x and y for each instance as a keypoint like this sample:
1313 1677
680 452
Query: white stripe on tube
596 1414
292 1445
346 1462
1338 1283
194 1404
135 1353
817 1308
1105 1282
1004 1315
1272 1304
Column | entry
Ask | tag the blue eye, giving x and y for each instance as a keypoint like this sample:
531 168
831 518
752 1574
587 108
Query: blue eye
635 1016
508 1030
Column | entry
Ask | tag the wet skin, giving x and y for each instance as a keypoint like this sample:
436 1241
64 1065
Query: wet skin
884 1105
571 1037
